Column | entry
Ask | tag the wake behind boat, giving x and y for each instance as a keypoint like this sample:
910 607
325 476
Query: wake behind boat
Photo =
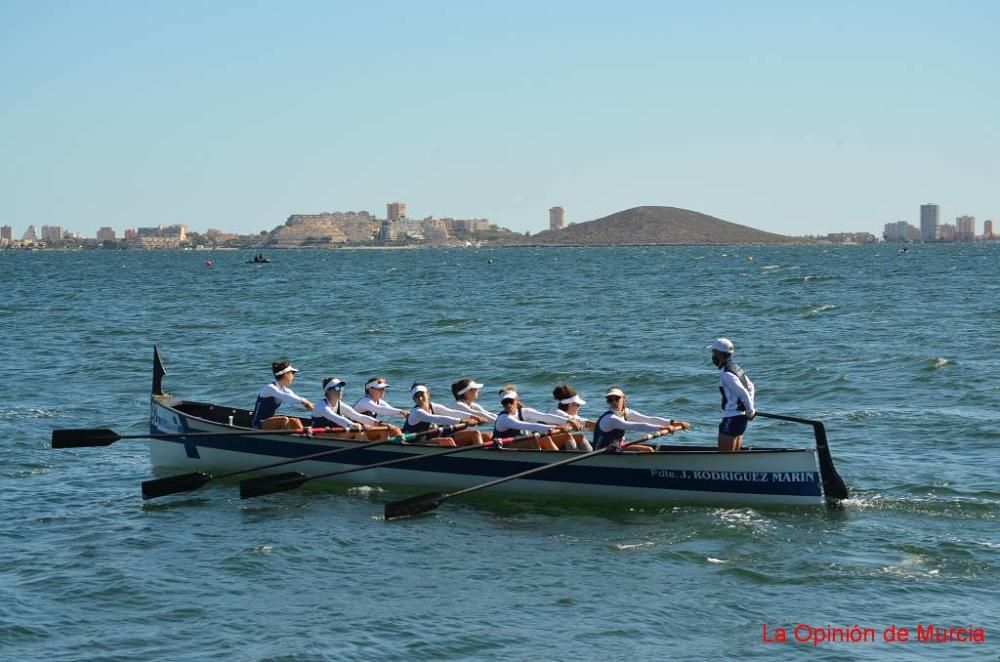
202 437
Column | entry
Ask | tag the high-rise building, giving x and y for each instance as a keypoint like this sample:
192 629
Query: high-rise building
29 234
105 234
7 232
929 219
965 228
987 229
557 218
395 210
52 233
387 232
900 231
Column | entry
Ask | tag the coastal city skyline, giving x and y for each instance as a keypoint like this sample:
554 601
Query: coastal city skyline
363 227
794 119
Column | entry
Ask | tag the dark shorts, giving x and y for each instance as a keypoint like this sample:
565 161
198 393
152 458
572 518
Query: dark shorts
733 426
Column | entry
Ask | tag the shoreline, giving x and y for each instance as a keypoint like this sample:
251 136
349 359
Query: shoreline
228 249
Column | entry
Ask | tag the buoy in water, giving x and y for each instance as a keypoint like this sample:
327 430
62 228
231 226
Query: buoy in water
208 263
489 261
749 258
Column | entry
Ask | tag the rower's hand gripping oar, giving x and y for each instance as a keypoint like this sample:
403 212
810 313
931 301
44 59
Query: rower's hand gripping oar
87 438
263 485
426 502
191 481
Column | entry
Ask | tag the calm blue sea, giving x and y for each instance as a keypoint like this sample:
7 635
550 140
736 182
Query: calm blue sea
898 354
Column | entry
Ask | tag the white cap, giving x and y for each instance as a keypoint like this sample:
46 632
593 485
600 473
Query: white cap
614 390
576 399
418 388
723 345
472 385
334 383
508 395
286 370
376 383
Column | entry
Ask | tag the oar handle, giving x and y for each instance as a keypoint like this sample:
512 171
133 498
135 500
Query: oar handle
670 429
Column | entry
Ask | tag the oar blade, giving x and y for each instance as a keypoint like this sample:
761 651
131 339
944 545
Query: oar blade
263 485
83 438
173 484
414 505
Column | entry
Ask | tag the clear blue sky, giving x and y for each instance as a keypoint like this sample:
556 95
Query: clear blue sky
794 117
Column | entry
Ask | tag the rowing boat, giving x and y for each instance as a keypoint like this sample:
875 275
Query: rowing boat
673 474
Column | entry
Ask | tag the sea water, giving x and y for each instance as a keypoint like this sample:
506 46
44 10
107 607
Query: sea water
899 354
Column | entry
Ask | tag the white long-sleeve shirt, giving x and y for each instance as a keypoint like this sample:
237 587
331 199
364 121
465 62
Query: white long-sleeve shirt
573 444
368 406
342 414
441 416
566 417
269 399
632 421
474 409
507 426
529 414
281 393
737 392
511 423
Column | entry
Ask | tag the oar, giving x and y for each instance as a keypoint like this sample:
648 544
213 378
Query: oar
427 502
191 481
255 487
86 438
833 485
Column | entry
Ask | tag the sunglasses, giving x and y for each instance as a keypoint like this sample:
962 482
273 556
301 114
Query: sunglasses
613 398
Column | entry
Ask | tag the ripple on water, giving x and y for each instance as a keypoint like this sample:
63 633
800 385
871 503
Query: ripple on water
939 362
316 573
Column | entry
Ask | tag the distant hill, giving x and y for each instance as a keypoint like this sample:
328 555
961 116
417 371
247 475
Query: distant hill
655 225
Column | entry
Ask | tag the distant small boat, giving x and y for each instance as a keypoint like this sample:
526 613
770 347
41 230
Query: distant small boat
259 259
904 249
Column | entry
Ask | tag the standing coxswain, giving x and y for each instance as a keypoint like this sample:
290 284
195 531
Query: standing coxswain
612 425
516 420
271 396
737 391
373 403
334 411
426 414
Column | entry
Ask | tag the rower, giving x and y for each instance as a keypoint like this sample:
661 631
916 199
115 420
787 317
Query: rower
426 414
373 402
271 396
612 424
333 411
567 407
514 421
466 392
